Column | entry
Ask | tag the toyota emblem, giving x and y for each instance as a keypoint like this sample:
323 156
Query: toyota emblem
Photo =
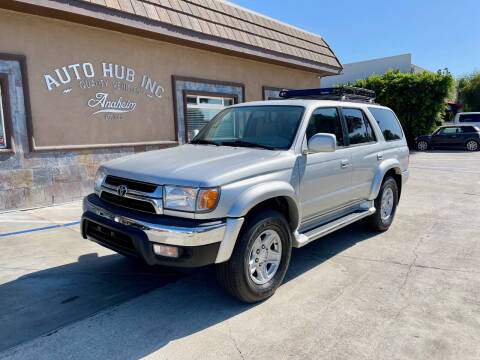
122 190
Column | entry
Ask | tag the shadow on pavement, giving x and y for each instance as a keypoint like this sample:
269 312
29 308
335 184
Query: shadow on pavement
442 151
42 302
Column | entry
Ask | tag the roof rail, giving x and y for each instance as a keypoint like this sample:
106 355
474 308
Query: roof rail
345 93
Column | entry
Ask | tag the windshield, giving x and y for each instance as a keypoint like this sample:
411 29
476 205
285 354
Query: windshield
269 127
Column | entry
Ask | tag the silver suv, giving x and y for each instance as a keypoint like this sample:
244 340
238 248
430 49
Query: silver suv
259 179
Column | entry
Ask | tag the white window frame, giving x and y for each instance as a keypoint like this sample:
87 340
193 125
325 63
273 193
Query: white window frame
2 122
199 105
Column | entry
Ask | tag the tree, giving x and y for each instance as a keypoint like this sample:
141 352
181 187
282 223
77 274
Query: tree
469 91
417 99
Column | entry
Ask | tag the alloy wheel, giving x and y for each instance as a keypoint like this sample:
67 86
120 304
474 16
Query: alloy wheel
387 204
472 145
265 257
422 145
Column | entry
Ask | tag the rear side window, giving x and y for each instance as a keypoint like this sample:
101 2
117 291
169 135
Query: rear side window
359 129
388 123
326 120
469 118
468 129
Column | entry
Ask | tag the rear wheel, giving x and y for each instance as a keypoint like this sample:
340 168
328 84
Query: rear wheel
260 258
471 145
386 205
422 145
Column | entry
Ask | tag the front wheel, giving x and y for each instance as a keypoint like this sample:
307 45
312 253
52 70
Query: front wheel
386 205
260 258
471 145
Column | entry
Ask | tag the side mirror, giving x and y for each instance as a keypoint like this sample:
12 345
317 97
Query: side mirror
322 143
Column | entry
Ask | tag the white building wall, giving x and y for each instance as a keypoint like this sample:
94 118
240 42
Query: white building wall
364 69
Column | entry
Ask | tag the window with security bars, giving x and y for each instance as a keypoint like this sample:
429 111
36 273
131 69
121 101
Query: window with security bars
202 109
3 138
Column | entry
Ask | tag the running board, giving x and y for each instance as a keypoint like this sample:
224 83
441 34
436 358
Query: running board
302 239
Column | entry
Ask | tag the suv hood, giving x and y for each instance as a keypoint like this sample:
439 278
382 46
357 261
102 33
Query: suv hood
199 165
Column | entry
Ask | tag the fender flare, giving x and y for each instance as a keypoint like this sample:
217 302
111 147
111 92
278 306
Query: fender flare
259 193
380 174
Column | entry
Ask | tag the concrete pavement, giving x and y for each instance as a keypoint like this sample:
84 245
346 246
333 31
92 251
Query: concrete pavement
412 292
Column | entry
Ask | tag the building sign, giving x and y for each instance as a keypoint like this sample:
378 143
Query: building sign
113 90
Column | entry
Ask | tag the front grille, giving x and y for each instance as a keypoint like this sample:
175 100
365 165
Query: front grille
132 184
110 238
128 203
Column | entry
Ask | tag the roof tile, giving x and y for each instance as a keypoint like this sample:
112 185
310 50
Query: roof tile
195 23
113 4
151 12
205 27
174 18
126 6
162 14
185 21
165 3
99 2
175 5
139 8
225 20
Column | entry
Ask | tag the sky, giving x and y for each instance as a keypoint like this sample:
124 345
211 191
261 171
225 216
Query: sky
438 33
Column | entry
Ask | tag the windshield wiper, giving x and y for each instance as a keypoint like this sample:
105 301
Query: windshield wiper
205 142
246 144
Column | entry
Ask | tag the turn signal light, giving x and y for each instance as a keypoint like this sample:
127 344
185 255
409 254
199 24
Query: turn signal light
163 250
207 199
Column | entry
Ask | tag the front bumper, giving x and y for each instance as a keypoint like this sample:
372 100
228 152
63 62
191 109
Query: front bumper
200 242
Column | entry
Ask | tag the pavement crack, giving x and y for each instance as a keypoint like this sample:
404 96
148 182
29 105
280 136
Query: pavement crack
412 264
234 341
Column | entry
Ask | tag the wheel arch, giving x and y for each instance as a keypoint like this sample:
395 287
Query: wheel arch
276 195
389 167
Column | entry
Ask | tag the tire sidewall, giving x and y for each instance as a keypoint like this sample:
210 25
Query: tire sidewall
270 220
388 183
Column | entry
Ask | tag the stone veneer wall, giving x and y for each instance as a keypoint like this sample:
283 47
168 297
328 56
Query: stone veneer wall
34 179
45 179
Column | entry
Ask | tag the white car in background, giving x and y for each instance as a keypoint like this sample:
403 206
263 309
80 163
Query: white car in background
472 118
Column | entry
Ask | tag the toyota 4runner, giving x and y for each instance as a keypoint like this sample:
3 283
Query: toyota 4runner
259 179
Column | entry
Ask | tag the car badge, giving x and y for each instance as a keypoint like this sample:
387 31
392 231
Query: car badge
122 190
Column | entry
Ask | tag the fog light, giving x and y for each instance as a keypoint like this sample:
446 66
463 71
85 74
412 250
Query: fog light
163 250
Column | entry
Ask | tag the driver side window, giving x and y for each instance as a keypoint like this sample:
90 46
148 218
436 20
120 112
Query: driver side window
326 120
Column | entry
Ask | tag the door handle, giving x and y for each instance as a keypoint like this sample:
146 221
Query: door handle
379 156
344 164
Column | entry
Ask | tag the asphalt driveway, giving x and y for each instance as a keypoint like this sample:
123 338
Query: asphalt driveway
410 293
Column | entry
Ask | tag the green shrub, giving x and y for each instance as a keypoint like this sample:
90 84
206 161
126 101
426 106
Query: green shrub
417 99
469 91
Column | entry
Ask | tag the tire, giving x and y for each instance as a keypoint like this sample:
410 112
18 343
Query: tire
235 275
472 145
422 145
379 221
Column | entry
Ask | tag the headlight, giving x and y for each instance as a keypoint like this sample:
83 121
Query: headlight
190 199
99 177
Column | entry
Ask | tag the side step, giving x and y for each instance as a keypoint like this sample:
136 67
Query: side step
302 239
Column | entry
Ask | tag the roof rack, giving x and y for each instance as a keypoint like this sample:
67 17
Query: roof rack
344 93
